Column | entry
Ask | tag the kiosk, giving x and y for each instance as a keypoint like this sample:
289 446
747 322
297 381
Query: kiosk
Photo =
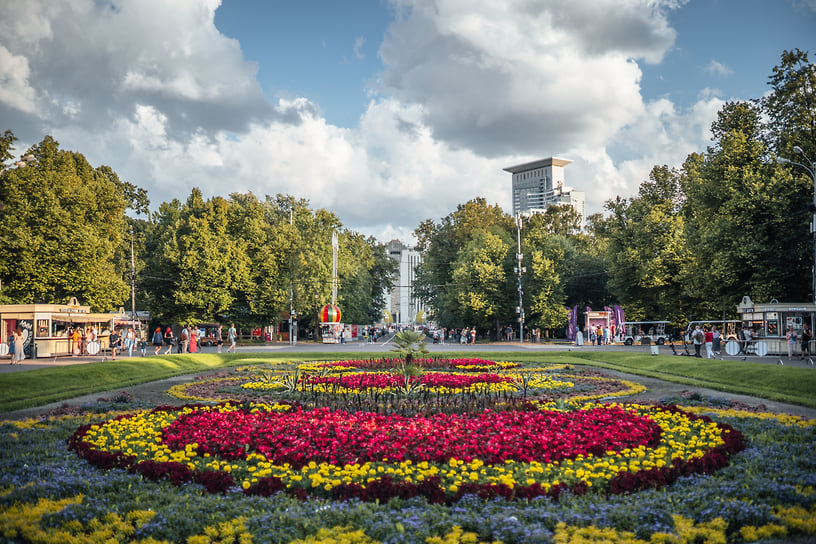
47 327
769 322
331 328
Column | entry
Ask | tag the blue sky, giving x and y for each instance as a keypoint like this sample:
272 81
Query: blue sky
387 112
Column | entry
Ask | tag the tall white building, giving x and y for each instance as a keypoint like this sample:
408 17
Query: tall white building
402 303
540 183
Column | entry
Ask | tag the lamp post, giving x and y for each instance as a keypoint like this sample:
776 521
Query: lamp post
811 169
519 271
132 279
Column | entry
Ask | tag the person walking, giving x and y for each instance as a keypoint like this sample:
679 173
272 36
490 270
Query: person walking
193 345
717 345
219 340
709 343
157 340
130 341
697 337
790 336
806 338
169 340
184 340
19 347
579 338
114 342
232 336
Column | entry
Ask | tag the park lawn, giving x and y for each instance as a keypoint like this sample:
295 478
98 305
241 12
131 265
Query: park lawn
32 388
789 384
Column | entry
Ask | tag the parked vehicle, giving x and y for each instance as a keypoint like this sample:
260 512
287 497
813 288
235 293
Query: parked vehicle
644 332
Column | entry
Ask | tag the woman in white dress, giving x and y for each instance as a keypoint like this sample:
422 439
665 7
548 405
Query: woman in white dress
19 354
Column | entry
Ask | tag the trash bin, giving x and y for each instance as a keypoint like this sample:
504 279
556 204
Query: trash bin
33 350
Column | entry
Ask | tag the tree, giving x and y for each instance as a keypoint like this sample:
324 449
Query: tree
738 209
441 245
366 274
642 238
64 229
791 106
408 344
479 274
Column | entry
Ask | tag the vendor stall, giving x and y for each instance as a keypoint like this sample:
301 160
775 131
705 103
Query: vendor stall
767 323
331 329
51 330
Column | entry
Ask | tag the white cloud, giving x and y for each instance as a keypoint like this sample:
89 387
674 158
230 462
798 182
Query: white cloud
358 47
718 69
468 88
15 90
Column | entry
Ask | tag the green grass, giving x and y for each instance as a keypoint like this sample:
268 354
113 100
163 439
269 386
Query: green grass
32 388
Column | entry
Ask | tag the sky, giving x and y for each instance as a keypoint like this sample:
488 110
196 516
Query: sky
385 112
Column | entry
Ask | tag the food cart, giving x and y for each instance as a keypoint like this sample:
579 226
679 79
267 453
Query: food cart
47 328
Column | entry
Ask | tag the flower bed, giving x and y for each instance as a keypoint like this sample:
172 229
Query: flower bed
466 364
664 474
340 454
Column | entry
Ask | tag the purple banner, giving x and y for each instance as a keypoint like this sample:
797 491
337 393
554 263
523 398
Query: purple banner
573 323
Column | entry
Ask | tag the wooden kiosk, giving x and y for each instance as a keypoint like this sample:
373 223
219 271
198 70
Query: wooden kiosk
47 327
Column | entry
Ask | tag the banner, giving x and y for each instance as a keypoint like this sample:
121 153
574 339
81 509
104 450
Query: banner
573 323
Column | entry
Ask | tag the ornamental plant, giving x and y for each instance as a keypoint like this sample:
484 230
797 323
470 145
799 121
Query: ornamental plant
408 344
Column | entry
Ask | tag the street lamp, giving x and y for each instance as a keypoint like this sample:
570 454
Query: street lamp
519 271
811 169
132 278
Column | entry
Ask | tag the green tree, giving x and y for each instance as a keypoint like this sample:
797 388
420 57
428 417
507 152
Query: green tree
198 269
366 274
790 107
740 209
64 229
441 245
643 240
480 275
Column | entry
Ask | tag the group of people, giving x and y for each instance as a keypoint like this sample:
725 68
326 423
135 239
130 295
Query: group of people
801 339
709 337
600 336
126 340
188 340
533 335
81 340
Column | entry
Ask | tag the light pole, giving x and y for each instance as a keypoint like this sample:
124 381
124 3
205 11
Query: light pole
519 271
811 169
132 278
